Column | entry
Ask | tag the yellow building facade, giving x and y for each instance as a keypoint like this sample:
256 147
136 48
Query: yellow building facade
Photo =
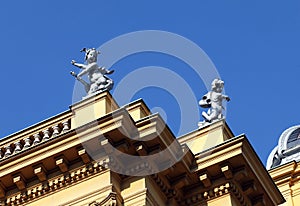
76 158
284 167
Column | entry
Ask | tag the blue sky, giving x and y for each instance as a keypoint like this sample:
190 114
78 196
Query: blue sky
253 44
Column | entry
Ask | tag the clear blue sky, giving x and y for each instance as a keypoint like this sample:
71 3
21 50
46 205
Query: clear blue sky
253 44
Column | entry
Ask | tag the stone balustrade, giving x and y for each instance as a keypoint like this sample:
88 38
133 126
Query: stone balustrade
37 138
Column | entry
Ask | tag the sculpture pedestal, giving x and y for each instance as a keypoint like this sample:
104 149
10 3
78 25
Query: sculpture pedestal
207 136
92 108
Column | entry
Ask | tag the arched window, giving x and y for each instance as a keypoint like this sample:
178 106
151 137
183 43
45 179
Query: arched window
294 139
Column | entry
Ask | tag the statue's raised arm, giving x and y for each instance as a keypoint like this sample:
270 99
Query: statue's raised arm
98 81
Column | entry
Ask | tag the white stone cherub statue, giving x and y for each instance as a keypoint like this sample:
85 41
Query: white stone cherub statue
213 100
97 75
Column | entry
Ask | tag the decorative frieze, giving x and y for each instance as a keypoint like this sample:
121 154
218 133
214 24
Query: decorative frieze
51 184
218 191
193 199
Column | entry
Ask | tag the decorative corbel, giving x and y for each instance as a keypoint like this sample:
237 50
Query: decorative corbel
18 179
107 146
40 172
204 178
84 156
141 149
62 163
226 169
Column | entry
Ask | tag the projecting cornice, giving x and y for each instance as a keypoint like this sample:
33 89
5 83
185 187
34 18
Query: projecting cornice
88 144
236 159
54 157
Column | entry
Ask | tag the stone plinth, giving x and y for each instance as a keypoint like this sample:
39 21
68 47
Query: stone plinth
207 137
92 108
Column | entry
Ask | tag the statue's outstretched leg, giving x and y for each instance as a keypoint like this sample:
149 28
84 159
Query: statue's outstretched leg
213 114
206 117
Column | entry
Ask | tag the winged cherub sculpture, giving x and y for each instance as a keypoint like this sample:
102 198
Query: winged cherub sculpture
98 80
213 100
